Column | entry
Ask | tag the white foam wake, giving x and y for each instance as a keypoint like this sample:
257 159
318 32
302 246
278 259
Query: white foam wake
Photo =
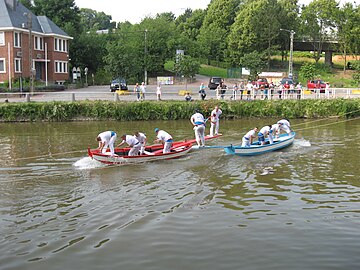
87 163
302 142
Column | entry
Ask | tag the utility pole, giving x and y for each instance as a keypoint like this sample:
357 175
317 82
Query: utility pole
145 60
292 33
29 26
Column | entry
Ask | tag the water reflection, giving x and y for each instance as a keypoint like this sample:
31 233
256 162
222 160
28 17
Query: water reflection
55 207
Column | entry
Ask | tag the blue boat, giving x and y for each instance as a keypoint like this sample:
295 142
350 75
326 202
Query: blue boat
284 140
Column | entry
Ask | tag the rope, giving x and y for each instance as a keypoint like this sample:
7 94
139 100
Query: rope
331 117
329 124
49 155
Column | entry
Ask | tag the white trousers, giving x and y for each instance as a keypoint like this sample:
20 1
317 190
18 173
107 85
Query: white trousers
109 144
200 134
214 126
167 147
285 128
134 151
245 142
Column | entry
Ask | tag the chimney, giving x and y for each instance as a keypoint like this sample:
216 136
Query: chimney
11 4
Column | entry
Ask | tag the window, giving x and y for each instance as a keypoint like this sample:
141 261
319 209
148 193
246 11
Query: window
17 40
60 45
2 65
2 38
17 65
39 43
61 67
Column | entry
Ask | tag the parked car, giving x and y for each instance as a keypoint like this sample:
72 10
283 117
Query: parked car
214 82
287 80
118 84
316 84
262 82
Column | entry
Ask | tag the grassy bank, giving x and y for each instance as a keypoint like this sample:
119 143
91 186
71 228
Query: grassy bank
173 110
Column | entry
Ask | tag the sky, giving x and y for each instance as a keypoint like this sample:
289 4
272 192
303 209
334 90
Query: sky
136 10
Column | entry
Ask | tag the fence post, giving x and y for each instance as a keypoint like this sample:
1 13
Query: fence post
73 97
27 97
116 97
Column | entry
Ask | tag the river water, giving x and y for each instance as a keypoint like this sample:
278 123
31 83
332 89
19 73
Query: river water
298 208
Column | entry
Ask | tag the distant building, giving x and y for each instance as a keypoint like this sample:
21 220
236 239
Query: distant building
50 53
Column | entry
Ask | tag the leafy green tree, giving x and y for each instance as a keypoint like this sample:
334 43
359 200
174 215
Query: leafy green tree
186 66
356 75
348 30
219 17
307 71
255 28
93 20
318 23
253 61
188 28
63 13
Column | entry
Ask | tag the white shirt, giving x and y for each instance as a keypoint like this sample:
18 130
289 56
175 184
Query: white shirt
250 134
197 119
105 136
163 135
249 86
141 138
215 115
284 122
158 90
143 88
275 128
264 130
130 140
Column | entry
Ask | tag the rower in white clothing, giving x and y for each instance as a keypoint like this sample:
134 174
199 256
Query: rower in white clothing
215 121
132 142
198 122
141 137
165 138
264 131
247 139
275 129
106 140
284 125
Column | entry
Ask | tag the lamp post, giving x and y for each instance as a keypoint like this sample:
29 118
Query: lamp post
86 72
31 69
292 32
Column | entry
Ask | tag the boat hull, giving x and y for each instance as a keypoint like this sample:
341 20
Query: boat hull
154 153
283 141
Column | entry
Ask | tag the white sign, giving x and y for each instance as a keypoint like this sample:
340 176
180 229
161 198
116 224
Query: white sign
245 71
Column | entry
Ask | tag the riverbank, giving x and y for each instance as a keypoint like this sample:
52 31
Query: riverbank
174 110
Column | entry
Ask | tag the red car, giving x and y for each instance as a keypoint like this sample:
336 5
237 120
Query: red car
316 84
262 82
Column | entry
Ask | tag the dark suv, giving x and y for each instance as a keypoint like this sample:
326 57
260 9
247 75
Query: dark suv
118 84
214 82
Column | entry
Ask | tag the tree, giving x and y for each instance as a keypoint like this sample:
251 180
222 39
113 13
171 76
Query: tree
219 17
93 20
249 32
318 22
348 30
63 13
253 61
186 66
307 71
356 75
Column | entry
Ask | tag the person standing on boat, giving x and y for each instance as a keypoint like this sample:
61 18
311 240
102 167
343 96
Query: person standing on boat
215 121
132 142
264 131
141 137
198 122
106 140
284 125
165 138
248 138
